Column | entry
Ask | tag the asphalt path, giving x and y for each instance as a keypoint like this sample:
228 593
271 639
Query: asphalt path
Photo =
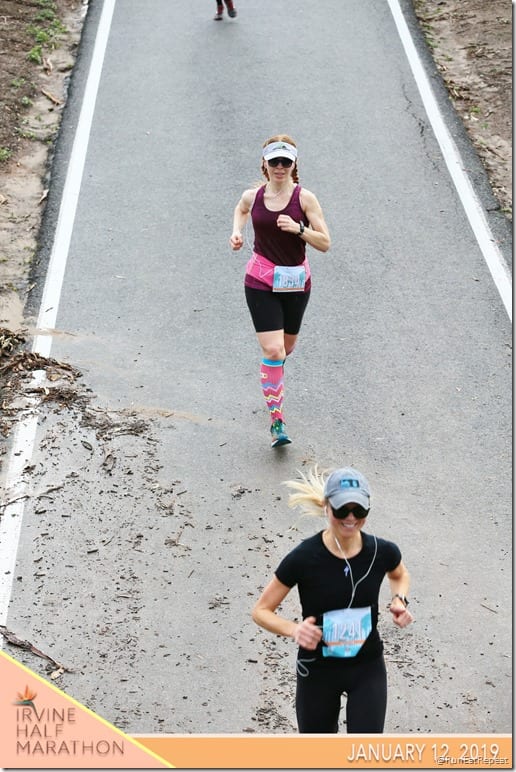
157 511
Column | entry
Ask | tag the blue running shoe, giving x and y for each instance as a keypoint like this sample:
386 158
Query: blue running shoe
279 434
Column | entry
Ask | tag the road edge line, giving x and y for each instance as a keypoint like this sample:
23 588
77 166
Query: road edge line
473 208
16 489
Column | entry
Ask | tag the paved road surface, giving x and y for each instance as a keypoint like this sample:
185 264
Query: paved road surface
168 516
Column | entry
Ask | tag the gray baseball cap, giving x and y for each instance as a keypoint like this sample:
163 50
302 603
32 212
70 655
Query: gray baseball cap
346 486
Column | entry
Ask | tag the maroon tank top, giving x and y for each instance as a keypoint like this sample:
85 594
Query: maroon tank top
279 247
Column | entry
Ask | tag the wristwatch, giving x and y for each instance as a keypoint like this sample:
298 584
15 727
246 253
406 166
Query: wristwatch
403 599
301 228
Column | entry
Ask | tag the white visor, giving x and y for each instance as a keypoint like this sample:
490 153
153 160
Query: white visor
280 150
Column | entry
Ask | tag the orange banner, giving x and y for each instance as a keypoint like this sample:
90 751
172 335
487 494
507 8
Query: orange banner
333 751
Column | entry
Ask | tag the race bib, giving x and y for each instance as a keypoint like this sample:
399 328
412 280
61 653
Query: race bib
345 631
289 278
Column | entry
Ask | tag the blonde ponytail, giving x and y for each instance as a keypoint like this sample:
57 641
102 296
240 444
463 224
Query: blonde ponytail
309 495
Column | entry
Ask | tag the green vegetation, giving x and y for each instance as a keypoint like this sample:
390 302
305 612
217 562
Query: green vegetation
40 35
36 55
5 154
26 133
44 30
18 82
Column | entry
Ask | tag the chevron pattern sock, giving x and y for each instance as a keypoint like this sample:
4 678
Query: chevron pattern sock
271 375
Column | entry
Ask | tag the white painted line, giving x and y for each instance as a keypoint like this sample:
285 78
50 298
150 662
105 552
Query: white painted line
16 489
57 264
474 211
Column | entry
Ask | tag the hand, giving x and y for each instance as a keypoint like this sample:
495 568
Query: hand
236 241
286 223
400 615
307 634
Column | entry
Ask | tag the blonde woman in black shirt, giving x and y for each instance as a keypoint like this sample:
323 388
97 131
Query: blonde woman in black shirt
338 573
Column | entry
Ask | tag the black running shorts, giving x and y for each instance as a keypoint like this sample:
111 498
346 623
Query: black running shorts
276 310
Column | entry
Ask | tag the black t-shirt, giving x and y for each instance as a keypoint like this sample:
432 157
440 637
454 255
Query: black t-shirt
324 583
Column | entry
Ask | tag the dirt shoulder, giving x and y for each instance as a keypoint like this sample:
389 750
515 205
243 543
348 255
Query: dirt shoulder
471 42
38 47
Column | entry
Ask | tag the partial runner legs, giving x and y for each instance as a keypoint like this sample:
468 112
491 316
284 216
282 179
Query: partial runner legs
319 690
220 10
277 320
275 346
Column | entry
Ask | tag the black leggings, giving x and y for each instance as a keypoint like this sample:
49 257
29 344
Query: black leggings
319 693
276 310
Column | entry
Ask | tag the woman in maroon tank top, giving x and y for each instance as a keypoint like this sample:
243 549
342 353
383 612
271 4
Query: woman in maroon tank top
285 218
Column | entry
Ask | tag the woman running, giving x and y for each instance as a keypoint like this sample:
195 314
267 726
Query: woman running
338 573
285 218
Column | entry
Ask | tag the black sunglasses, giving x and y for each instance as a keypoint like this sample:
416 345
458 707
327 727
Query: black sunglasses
285 162
356 510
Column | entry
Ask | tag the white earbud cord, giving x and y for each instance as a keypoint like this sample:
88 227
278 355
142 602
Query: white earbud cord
353 585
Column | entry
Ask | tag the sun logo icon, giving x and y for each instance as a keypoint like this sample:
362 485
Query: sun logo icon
26 698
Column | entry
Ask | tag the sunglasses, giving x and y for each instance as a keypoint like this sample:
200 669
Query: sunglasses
356 510
285 162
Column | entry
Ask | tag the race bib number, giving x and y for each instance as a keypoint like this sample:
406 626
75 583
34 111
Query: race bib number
345 631
289 278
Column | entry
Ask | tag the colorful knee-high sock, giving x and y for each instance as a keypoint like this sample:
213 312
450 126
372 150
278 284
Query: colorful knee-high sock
271 375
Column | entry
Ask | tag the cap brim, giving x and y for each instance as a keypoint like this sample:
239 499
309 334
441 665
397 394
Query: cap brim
280 154
349 497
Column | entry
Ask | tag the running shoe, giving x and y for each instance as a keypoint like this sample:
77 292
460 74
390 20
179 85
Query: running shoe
231 9
218 15
279 434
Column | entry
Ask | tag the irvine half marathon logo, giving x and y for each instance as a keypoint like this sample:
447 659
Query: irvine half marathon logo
26 698
49 731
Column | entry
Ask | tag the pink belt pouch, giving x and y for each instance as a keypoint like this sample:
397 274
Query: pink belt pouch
262 269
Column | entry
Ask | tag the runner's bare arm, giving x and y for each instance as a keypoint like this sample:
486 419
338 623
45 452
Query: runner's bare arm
305 633
240 217
316 234
399 580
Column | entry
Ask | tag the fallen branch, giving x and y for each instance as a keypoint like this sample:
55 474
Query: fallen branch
49 490
50 96
5 504
27 646
13 501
